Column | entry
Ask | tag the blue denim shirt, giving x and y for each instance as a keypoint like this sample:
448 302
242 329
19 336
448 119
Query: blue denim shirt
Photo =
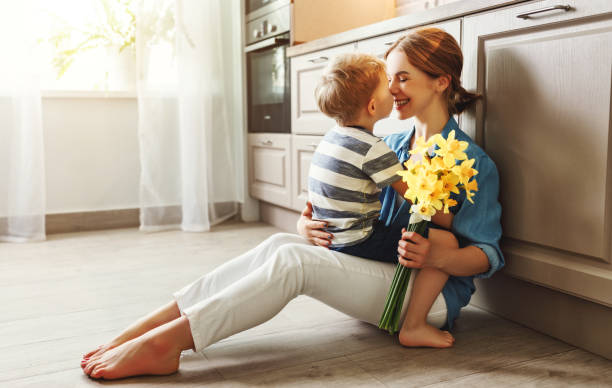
475 224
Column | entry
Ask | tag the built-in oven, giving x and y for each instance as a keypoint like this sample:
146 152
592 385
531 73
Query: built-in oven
268 77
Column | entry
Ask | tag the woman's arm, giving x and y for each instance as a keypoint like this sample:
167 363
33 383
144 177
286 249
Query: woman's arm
417 251
311 230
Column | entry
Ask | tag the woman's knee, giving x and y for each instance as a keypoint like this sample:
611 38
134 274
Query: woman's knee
286 255
443 237
278 239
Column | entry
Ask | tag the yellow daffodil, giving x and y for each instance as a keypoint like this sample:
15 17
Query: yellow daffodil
465 171
437 164
421 146
450 149
450 182
448 203
469 188
425 210
436 195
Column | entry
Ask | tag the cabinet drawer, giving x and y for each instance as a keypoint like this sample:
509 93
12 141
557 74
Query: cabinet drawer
270 168
302 149
379 45
305 73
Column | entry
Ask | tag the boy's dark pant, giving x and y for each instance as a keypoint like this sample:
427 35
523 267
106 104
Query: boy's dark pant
381 245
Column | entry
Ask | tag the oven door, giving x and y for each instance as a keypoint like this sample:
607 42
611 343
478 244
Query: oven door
269 100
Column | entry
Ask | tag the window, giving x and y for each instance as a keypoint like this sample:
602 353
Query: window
89 45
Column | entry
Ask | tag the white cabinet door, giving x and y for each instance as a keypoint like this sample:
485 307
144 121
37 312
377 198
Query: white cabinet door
269 168
302 149
378 46
546 122
306 71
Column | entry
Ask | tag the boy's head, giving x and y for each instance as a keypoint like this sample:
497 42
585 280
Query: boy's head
354 88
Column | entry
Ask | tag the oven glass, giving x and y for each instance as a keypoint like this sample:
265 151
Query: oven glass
269 89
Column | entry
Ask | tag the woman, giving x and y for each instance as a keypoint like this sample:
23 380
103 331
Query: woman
424 70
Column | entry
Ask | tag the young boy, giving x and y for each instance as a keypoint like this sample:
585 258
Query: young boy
351 166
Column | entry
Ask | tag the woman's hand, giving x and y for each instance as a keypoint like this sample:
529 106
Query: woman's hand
414 250
311 229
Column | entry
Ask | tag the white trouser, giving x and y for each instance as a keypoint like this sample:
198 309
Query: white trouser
255 286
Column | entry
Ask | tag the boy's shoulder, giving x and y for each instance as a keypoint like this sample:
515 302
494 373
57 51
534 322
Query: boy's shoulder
353 135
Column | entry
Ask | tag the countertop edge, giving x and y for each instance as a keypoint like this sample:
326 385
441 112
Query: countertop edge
438 14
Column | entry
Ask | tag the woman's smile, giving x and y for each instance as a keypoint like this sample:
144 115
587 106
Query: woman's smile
400 103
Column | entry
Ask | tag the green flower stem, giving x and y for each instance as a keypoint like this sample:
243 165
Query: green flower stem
388 300
397 292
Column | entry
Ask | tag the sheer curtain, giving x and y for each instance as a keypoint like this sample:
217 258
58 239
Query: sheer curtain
22 173
191 173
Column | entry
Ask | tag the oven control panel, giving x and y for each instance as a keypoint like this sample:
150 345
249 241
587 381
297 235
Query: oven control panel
269 25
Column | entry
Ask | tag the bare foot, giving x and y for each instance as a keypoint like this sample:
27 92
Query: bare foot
426 335
159 317
145 355
123 338
101 349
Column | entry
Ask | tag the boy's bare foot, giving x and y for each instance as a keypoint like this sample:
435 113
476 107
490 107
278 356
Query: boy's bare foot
425 335
145 355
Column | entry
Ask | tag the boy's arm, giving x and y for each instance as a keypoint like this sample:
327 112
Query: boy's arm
441 219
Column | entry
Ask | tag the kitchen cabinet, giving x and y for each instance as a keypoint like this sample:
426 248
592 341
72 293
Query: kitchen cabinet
545 121
270 168
306 70
302 149
378 46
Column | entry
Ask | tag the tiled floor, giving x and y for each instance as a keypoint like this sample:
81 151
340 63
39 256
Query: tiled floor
64 296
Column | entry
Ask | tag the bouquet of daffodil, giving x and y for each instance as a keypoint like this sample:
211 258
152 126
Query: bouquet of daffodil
430 181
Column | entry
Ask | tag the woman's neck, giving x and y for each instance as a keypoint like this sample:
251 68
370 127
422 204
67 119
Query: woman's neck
432 120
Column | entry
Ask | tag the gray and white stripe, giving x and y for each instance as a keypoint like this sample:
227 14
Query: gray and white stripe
347 171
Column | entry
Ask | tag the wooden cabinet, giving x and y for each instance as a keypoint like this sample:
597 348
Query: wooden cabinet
378 46
305 73
302 149
546 120
270 168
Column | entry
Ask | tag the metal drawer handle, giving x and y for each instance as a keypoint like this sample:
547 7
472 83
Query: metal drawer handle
267 143
313 145
389 43
319 60
527 14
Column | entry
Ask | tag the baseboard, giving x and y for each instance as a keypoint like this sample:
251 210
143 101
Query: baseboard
571 319
87 221
280 217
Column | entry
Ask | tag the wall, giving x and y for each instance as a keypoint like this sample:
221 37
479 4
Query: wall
91 153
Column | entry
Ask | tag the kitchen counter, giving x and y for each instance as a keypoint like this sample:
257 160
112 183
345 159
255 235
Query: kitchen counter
438 14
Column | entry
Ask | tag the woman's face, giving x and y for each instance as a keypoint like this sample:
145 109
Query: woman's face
413 90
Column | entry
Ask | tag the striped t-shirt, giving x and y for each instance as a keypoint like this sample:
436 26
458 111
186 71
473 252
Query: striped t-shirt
348 169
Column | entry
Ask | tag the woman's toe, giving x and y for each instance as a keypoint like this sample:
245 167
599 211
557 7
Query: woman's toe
90 367
88 355
98 372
